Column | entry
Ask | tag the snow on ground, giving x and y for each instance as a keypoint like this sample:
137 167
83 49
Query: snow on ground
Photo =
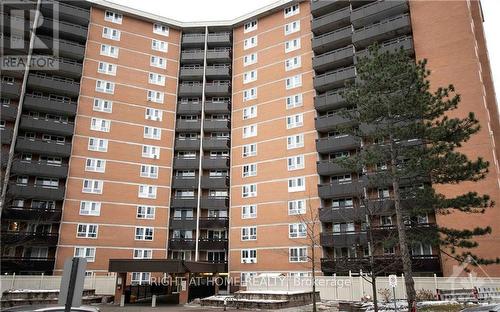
273 292
231 298
31 290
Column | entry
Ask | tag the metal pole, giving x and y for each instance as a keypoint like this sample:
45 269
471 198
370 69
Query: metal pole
395 304
71 287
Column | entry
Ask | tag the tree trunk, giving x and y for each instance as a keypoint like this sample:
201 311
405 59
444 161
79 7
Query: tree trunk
372 266
313 277
374 290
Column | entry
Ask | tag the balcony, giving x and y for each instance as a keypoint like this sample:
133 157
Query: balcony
9 112
65 30
334 79
342 214
187 144
377 11
66 12
382 232
20 47
320 7
188 125
215 163
193 72
337 144
193 40
382 31
344 189
221 71
215 125
189 108
53 85
64 48
213 223
5 158
217 89
222 39
42 125
331 21
219 55
212 244
184 202
192 56
186 163
27 213
10 90
182 223
343 239
337 58
185 182
31 238
6 135
66 67
333 40
208 182
217 107
38 192
330 167
334 121
25 264
181 244
328 101
193 89
216 143
39 168
49 105
214 202
405 43
43 147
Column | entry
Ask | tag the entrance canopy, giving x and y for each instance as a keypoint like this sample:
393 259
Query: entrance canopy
164 266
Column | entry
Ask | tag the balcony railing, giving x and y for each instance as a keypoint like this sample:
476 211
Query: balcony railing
384 264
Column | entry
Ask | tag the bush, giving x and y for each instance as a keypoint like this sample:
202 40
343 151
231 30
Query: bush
385 293
425 295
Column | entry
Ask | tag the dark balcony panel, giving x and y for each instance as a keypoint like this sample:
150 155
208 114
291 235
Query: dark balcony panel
377 11
6 134
385 207
214 125
212 244
189 108
190 90
39 168
186 163
328 101
208 182
337 144
405 43
53 85
213 223
188 125
216 107
337 190
63 48
215 163
217 89
218 71
382 31
345 239
216 144
219 39
46 126
331 21
334 79
332 122
211 202
31 191
193 40
9 113
181 244
191 73
192 56
187 145
38 214
330 167
342 214
24 264
183 224
49 105
69 31
31 238
320 7
66 12
183 202
43 147
334 59
333 40
5 158
67 68
219 55
185 182
10 90
20 47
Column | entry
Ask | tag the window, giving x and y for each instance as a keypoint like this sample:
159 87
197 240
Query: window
147 191
98 145
341 179
99 124
159 45
249 94
111 33
153 114
292 27
90 208
144 233
298 254
86 231
46 182
92 186
294 121
383 193
113 17
95 165
249 76
343 227
155 96
140 278
250 26
145 212
294 101
250 112
249 170
293 82
160 29
246 276
296 207
110 51
292 10
249 212
149 151
143 254
292 45
152 133
156 79
249 256
249 131
296 184
85 252
104 106
105 86
385 220
249 233
293 63
249 190
250 59
295 162
159 62
389 250
295 141
249 150
250 43
297 230
343 202
106 68
149 171
420 249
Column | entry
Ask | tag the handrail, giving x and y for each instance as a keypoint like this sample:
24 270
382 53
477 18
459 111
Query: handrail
44 141
385 21
351 47
372 4
336 71
48 119
50 99
355 232
54 78
335 31
193 36
67 5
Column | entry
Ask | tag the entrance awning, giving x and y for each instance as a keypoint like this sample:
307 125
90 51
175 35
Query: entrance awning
164 266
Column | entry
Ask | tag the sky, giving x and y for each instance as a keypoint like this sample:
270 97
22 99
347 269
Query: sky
205 10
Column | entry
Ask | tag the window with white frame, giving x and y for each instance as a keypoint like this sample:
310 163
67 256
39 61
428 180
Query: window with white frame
149 171
249 150
295 141
249 211
149 151
101 105
293 82
249 256
153 114
87 231
250 26
105 86
249 131
145 212
249 233
249 76
383 193
342 202
296 184
147 191
85 252
292 27
144 233
292 45
159 45
92 186
98 145
250 43
108 50
249 170
298 254
294 101
246 277
157 61
292 10
296 207
297 230
95 165
113 17
295 162
293 63
250 59
419 249
249 94
152 133
156 79
250 112
99 124
294 121
143 253
140 278
161 29
155 96
106 68
90 208
111 33
249 190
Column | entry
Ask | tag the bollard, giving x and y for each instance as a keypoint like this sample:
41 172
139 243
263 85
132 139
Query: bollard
153 301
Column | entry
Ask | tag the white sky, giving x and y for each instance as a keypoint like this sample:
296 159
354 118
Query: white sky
203 10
